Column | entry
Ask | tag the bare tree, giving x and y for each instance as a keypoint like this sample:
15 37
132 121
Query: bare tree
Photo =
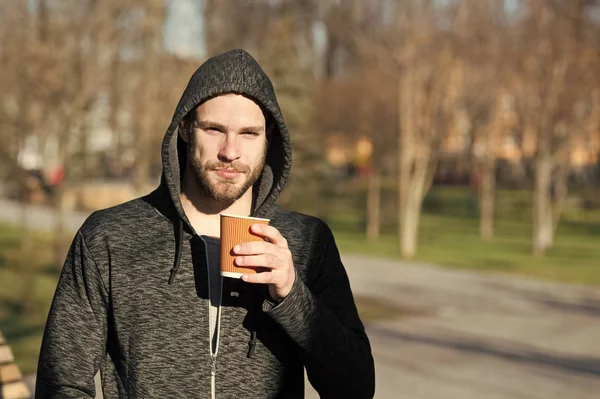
148 113
556 67
18 115
376 101
357 110
64 52
485 46
418 53
429 86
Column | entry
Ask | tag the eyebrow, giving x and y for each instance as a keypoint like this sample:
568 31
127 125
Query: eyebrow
205 124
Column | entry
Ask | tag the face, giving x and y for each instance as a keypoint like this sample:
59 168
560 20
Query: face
226 146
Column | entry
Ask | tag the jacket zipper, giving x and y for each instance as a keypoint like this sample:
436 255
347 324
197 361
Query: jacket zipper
213 356
213 376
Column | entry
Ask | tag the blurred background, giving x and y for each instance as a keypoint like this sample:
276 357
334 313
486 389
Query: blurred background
452 145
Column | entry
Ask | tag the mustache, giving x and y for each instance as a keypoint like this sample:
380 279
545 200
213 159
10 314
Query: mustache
237 166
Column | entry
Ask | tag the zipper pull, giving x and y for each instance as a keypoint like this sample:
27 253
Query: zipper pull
251 344
213 366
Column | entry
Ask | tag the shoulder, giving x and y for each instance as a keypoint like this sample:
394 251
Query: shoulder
117 220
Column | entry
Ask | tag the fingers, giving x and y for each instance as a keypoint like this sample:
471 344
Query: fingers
276 240
259 278
253 248
267 261
272 255
270 232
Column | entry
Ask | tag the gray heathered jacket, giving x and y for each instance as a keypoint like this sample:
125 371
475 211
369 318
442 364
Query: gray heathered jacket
114 309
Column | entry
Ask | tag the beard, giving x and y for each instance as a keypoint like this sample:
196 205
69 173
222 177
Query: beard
223 190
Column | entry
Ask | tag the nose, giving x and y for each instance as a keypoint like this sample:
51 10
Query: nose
229 150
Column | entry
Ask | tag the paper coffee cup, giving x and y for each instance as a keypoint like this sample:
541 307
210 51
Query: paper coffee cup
236 230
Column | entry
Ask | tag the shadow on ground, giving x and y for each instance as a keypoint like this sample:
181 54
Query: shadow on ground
586 305
506 351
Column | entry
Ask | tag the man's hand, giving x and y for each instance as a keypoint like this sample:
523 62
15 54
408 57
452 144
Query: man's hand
274 255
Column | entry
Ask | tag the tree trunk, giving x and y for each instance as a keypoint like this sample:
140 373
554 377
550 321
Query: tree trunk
404 152
542 205
487 197
561 190
414 201
415 166
406 148
410 226
59 226
410 230
374 205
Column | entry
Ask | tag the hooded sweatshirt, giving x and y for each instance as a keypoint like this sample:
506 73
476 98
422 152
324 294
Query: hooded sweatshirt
133 297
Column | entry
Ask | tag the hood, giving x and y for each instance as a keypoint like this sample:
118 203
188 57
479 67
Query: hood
235 71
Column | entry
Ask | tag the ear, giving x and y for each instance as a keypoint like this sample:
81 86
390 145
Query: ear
184 132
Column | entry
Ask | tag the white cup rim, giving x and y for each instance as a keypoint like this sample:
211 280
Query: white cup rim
243 217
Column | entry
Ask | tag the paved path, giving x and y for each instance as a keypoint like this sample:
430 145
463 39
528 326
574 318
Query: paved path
37 217
469 335
481 335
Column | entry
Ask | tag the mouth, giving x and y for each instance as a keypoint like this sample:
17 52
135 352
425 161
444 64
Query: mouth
228 173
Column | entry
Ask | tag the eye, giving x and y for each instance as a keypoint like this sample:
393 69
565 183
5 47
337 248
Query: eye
250 134
212 129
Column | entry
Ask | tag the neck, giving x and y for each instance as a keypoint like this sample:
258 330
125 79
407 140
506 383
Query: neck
203 211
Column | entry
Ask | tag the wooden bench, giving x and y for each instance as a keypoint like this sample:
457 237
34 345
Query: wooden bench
11 379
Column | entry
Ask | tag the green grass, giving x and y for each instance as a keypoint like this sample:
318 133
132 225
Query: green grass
455 242
449 233
371 309
27 282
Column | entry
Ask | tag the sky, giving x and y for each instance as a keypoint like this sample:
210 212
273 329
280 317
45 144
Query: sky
184 33
184 28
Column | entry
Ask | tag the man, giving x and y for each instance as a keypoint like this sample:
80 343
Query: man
140 297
